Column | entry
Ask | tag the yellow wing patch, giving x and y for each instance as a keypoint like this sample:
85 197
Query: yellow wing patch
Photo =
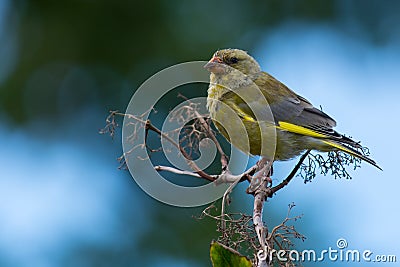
341 148
243 114
248 118
299 129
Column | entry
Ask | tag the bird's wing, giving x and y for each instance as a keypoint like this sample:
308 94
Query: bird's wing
295 114
287 106
291 112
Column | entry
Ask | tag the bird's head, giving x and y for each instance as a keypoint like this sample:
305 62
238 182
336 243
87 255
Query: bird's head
227 60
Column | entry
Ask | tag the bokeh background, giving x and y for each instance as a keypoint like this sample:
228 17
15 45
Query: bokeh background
63 66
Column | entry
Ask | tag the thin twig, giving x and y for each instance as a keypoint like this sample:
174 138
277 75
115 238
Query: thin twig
206 126
286 181
150 126
224 158
226 194
177 171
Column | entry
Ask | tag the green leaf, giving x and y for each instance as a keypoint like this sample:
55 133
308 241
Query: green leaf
222 255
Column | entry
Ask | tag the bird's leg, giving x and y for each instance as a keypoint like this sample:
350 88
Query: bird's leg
268 176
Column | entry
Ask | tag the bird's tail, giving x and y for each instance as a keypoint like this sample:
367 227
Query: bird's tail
351 151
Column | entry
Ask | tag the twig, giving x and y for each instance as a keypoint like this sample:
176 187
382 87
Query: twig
111 125
224 158
227 177
187 157
150 126
226 194
206 126
286 181
177 171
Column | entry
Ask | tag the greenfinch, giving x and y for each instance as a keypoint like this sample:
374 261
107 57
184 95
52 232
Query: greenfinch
297 125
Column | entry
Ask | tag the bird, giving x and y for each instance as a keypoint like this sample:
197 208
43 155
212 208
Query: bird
276 122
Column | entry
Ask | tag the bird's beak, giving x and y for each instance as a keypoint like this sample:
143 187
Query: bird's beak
215 65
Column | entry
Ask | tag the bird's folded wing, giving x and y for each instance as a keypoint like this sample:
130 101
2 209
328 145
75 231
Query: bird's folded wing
290 111
287 106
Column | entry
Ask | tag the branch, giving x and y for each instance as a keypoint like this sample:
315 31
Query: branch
224 158
260 195
217 178
259 186
224 177
286 181
224 198
177 171
206 126
150 126
191 163
227 177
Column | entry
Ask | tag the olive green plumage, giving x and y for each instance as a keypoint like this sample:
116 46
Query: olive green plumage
238 88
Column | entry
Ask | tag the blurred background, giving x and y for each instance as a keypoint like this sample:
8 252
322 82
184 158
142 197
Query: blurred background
63 66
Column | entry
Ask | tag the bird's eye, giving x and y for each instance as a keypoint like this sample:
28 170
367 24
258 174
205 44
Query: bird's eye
233 60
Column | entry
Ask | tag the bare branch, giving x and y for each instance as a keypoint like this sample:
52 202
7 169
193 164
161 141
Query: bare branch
150 126
176 171
111 125
224 158
286 181
225 197
260 195
210 133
